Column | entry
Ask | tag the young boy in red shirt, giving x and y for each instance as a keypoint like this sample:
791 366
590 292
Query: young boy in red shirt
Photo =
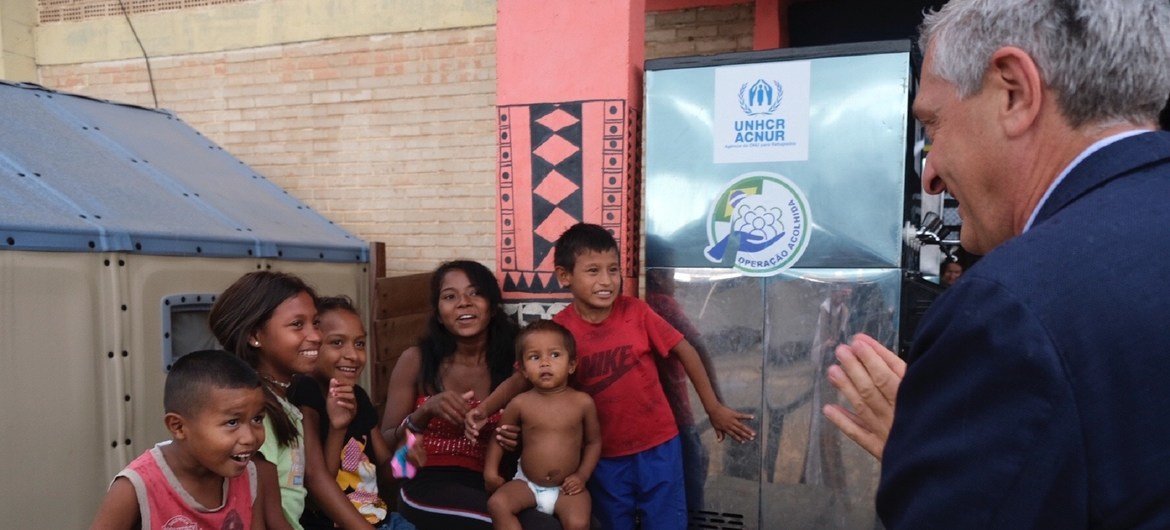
617 337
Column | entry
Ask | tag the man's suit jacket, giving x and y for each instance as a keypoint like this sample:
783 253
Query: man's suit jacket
1038 391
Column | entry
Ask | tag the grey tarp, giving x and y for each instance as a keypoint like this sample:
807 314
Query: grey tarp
80 174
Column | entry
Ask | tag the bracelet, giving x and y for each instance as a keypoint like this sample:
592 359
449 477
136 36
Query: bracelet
411 426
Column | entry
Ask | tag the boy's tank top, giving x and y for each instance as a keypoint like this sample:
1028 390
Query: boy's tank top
165 505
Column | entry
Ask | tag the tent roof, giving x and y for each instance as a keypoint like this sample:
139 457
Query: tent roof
86 175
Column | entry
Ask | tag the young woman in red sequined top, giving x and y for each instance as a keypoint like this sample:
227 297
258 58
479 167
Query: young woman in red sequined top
466 352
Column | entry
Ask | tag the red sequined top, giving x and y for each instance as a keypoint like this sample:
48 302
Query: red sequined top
447 446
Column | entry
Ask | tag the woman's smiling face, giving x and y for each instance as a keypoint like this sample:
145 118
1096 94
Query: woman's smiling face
461 308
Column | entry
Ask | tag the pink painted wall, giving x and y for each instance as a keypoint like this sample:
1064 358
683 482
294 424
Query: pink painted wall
569 51
568 97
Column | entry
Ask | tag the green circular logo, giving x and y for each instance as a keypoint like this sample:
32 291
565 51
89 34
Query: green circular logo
761 222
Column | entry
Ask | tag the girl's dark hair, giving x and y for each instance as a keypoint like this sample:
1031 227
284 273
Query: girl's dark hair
240 312
438 344
336 303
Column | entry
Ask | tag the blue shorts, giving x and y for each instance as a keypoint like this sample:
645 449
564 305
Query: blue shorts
648 484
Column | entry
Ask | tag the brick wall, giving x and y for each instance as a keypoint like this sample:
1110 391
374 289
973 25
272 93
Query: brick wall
391 137
701 31
74 10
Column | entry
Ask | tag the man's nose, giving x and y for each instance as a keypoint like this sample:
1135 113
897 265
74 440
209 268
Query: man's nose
932 184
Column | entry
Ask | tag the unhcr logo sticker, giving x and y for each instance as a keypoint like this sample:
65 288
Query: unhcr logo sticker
761 112
760 221
762 98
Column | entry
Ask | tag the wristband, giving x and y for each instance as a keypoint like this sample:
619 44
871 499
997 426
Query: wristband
410 426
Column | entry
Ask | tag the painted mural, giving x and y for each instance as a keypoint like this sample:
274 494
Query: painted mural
559 164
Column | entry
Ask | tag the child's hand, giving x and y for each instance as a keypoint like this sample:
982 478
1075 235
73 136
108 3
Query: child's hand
729 422
492 481
340 404
572 485
473 422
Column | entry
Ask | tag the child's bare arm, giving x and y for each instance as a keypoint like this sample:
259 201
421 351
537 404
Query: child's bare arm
502 395
322 486
341 408
705 358
268 491
590 451
119 509
491 467
725 420
400 396
331 451
382 456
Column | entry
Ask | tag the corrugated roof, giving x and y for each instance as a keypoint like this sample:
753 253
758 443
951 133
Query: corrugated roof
80 174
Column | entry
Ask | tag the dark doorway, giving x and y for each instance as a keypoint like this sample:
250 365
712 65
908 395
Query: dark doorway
821 22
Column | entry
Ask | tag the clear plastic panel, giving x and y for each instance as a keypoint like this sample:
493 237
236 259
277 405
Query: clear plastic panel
853 177
719 313
813 476
768 343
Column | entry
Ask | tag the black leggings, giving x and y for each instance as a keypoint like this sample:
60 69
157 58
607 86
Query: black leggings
453 498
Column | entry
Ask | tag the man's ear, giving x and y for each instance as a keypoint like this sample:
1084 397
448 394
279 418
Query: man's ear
563 276
1020 90
176 424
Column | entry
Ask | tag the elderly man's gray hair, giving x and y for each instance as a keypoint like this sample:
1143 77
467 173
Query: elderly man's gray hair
1106 60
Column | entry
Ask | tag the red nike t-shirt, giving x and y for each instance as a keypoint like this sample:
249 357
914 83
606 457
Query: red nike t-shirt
615 365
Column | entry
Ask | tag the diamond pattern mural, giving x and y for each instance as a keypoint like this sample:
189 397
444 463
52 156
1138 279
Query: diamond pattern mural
559 164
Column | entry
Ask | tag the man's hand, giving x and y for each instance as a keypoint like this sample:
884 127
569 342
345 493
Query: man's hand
729 422
868 375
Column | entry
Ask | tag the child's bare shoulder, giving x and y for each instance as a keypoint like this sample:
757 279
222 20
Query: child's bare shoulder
521 401
570 397
580 398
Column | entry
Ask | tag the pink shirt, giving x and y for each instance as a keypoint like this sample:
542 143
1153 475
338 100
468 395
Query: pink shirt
165 505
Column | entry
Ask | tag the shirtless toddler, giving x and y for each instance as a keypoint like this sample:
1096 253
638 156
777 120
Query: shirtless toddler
559 433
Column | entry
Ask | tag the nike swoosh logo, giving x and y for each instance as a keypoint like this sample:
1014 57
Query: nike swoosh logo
598 387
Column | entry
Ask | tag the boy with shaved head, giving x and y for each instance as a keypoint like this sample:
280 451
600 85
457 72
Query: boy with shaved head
203 477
